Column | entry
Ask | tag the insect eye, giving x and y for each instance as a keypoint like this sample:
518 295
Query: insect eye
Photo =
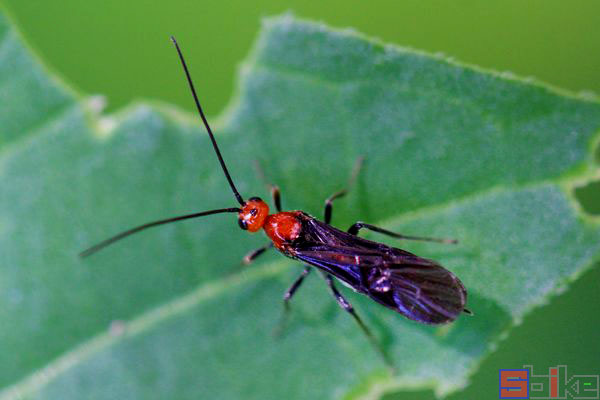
243 224
253 212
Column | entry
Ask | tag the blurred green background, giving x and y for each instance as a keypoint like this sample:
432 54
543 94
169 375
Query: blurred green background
121 50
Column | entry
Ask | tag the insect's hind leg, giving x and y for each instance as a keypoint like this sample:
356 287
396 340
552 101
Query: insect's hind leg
343 192
354 229
345 304
288 296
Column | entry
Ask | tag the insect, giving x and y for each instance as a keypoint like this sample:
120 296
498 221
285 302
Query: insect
418 288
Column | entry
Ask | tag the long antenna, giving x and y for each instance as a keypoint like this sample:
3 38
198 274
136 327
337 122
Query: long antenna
212 137
122 235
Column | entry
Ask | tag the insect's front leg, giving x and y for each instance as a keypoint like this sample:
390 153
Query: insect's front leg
276 196
345 304
274 189
354 229
254 254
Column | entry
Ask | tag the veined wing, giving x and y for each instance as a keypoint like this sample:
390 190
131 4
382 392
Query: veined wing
424 292
418 288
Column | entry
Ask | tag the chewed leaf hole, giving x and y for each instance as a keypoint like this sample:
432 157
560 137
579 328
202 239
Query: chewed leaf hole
589 197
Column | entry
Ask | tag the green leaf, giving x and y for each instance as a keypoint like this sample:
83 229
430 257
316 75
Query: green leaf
451 151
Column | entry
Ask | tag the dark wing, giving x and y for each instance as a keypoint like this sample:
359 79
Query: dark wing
423 291
418 288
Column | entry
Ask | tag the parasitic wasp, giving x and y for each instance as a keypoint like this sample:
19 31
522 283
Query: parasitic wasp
420 289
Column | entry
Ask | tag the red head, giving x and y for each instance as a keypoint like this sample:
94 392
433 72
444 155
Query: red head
253 214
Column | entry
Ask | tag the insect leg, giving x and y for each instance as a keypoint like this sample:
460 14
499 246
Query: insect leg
353 230
248 258
345 304
343 192
274 189
276 195
288 296
292 289
329 206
